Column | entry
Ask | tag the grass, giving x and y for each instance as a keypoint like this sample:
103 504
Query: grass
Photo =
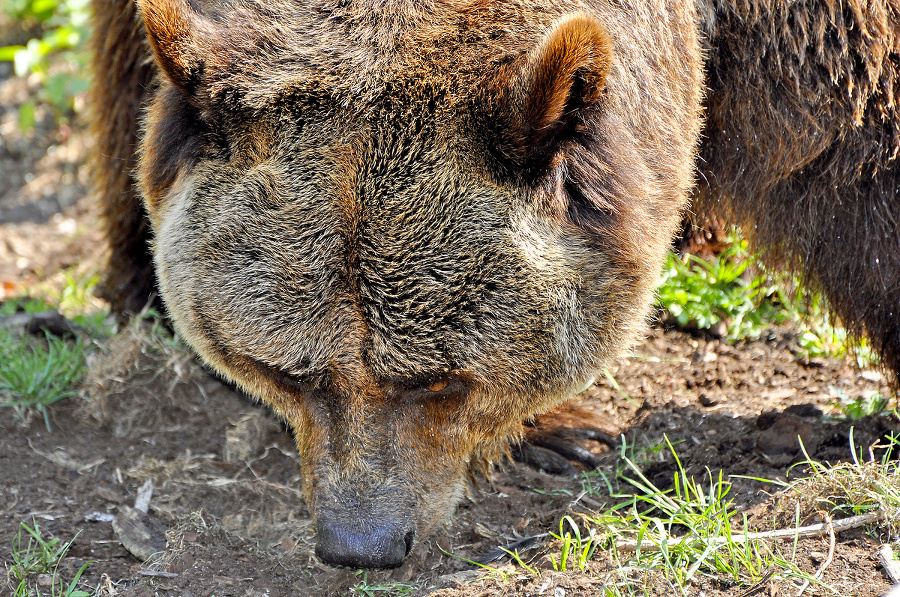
700 294
871 483
735 290
673 541
685 533
870 403
372 590
40 557
37 372
575 550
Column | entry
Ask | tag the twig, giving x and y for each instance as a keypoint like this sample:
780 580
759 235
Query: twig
157 573
827 562
815 530
890 563
144 495
760 585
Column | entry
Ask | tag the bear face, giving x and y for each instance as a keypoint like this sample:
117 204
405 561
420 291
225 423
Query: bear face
404 245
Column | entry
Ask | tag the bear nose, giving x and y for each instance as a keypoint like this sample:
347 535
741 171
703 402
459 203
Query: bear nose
356 546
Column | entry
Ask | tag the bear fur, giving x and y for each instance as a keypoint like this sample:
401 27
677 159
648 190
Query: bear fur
410 226
801 147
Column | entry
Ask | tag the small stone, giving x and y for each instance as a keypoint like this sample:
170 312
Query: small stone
45 580
785 434
817 557
873 376
719 329
706 400
141 534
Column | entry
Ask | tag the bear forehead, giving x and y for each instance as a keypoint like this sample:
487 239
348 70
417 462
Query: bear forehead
356 50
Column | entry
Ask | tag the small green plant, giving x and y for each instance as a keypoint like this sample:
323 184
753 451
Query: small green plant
64 26
41 556
78 302
870 403
701 293
23 304
575 549
599 483
35 373
394 588
514 554
697 293
677 534
819 335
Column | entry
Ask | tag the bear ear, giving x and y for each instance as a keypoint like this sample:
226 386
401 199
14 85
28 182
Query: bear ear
185 42
541 96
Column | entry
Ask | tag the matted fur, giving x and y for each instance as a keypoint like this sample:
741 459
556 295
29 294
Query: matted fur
122 78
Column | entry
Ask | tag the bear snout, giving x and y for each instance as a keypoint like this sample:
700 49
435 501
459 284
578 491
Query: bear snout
365 531
383 544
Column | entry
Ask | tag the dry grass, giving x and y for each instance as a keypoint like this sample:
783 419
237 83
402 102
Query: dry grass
869 484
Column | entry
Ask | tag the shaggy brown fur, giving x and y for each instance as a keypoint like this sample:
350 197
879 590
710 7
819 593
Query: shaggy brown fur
802 144
407 226
123 74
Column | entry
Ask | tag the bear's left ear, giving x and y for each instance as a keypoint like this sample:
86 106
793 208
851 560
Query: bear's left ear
186 43
538 101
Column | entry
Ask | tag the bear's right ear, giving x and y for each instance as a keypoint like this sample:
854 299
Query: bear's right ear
185 42
538 100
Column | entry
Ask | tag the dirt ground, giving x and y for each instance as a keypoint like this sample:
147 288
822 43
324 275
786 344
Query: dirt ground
226 511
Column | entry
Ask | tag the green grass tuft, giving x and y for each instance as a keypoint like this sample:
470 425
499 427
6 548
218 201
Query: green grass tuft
41 556
697 293
735 292
372 590
35 373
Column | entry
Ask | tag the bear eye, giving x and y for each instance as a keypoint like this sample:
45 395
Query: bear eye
437 386
433 386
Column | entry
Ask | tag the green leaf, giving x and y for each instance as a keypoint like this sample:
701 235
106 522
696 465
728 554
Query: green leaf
26 116
44 9
27 59
8 53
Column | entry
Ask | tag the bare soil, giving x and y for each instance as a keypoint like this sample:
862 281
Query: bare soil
226 479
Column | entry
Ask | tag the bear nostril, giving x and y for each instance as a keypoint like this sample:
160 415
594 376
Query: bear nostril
383 546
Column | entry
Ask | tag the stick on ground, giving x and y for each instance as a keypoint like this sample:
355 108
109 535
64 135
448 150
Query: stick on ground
815 530
890 563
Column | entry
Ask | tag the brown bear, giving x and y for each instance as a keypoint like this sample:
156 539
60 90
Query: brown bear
405 226
410 226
